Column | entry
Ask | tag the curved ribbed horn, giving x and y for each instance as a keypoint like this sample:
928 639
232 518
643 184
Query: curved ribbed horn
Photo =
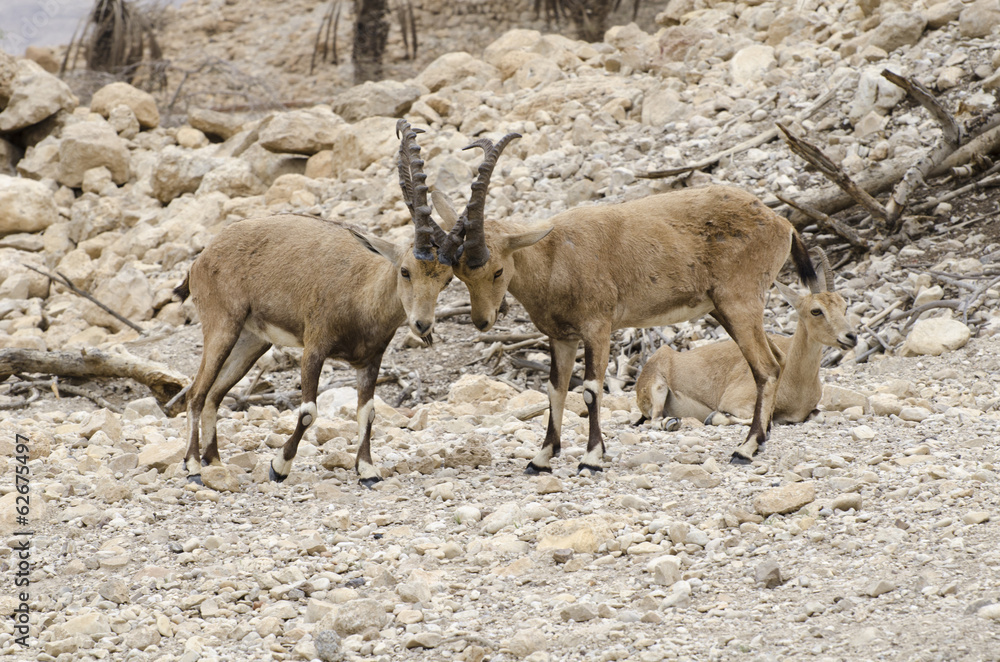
426 234
474 247
824 265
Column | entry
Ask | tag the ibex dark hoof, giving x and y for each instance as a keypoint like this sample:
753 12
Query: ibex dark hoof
671 425
370 482
274 475
533 469
592 468
195 479
740 459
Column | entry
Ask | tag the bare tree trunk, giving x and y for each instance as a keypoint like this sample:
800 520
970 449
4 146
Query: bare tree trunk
371 33
590 18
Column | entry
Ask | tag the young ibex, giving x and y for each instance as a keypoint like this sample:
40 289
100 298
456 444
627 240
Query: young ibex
301 281
713 383
658 260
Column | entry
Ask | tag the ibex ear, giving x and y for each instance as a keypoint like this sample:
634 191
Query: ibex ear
386 249
445 209
790 295
527 238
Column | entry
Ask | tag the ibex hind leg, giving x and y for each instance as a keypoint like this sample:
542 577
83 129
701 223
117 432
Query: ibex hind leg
218 343
244 354
745 326
596 359
563 355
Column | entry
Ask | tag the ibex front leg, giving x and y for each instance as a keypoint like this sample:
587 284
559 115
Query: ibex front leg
312 365
367 376
596 362
563 355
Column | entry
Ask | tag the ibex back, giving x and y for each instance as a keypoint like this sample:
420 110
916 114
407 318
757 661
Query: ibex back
658 260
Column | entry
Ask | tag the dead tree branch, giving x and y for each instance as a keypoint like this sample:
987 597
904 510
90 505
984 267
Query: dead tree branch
93 363
834 173
827 222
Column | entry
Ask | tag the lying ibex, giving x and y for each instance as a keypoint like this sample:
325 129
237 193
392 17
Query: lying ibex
658 260
301 281
713 383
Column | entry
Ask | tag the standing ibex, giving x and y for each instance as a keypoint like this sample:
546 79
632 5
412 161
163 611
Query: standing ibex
658 260
713 383
301 281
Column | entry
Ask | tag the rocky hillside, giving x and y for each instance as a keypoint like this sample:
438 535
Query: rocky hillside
868 532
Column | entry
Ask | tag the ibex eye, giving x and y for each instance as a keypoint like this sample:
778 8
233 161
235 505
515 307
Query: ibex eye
817 312
405 273
498 274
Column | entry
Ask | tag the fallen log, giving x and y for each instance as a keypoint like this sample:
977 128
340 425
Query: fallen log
91 363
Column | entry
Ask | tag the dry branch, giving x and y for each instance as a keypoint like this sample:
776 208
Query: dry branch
161 380
834 173
827 222
952 137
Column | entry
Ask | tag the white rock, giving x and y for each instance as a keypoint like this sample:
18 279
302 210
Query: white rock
36 95
142 103
25 205
935 336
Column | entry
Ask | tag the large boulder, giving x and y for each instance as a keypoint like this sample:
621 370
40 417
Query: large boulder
366 142
41 160
385 98
304 131
979 19
91 144
234 177
141 103
128 293
25 206
179 171
934 337
35 94
455 69
897 30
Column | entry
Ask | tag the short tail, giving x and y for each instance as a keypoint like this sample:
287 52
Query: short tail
183 291
803 265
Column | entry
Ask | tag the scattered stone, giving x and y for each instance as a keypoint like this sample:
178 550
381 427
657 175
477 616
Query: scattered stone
876 589
785 499
934 337
141 103
768 573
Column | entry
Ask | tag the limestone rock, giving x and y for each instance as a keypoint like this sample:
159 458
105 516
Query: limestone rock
384 98
364 143
508 514
527 641
976 20
768 573
785 499
940 14
934 337
475 452
510 41
458 68
666 570
212 123
41 160
122 94
357 617
234 177
750 64
838 398
664 106
584 535
178 171
91 144
478 388
25 206
305 131
220 479
128 293
160 456
896 30
35 95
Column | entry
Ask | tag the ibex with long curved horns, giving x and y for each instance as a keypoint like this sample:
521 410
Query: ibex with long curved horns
301 281
659 260
713 383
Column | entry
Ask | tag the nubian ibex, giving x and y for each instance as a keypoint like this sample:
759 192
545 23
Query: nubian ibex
301 281
658 260
713 383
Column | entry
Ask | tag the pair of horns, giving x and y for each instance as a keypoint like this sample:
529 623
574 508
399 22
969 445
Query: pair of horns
468 237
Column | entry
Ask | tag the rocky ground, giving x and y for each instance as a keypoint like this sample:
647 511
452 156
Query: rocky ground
869 532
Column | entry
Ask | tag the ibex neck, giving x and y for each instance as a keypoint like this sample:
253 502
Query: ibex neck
803 359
